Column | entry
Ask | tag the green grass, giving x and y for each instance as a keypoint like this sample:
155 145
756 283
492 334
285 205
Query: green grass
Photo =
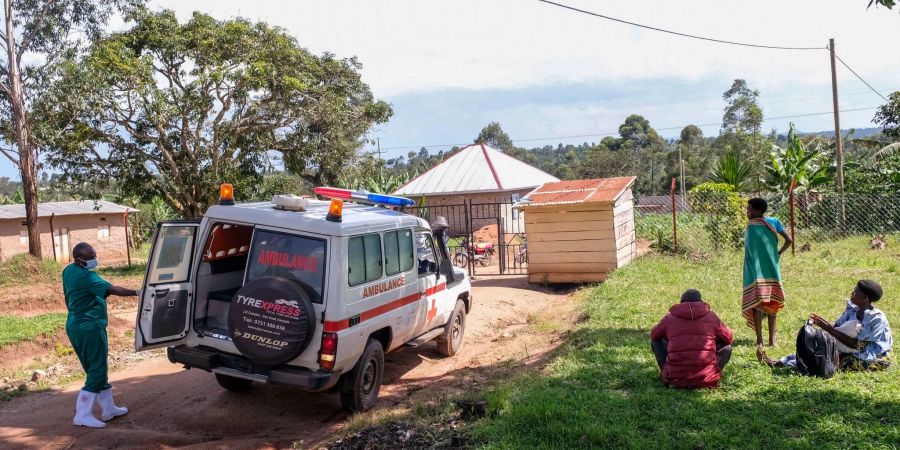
602 389
137 268
25 269
20 329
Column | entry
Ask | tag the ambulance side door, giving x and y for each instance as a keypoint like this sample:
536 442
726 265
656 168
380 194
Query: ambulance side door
431 281
400 261
168 292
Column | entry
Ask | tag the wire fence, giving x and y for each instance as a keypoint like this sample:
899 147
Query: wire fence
701 227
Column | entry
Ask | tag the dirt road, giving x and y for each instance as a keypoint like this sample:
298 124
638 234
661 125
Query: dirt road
171 407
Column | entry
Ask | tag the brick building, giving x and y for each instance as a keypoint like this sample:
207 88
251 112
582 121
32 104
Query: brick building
64 224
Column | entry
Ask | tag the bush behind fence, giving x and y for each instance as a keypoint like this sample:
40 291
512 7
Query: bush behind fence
712 221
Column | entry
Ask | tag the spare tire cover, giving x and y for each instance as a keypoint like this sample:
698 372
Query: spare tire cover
271 320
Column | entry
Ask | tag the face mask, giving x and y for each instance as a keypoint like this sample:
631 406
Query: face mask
90 264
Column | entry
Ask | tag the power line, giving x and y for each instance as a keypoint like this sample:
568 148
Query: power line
676 33
613 133
860 78
700 125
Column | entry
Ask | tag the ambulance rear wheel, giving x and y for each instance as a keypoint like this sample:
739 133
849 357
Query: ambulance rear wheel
233 384
359 388
450 341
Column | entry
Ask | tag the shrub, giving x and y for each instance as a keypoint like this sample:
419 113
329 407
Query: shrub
724 210
657 228
660 235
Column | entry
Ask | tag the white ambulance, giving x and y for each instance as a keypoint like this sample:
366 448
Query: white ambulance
302 292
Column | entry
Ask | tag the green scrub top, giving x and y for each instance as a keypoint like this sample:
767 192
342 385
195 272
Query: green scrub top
85 294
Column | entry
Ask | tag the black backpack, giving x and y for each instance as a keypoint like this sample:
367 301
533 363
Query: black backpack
816 354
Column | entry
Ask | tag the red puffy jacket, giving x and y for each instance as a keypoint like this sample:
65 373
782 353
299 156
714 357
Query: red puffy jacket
692 330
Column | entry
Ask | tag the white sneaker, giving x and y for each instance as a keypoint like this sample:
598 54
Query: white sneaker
84 415
108 408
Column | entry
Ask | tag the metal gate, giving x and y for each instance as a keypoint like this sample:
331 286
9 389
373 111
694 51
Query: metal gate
484 238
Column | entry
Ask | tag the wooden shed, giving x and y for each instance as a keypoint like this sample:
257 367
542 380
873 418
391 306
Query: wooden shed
579 231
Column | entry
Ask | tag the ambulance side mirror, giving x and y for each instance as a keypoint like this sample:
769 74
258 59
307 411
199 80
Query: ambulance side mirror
440 228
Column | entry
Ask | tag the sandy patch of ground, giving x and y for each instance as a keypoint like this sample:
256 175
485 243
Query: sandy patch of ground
512 324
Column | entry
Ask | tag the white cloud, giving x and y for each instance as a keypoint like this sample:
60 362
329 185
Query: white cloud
438 52
412 45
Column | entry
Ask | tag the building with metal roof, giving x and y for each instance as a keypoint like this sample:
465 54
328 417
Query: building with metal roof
479 179
71 208
100 223
476 169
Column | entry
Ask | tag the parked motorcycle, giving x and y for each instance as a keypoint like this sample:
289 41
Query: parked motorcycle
481 253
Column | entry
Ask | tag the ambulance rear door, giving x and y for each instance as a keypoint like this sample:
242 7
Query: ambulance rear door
168 293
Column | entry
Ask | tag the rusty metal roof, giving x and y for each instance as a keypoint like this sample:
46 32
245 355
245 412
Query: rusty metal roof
476 168
71 208
597 190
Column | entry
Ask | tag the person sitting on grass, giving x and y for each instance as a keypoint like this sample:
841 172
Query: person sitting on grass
862 333
691 344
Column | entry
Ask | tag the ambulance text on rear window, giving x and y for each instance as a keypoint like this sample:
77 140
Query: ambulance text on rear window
364 255
297 258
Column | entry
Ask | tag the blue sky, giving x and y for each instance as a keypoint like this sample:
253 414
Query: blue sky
448 68
455 116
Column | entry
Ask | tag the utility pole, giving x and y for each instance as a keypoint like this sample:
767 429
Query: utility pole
681 164
838 145
378 143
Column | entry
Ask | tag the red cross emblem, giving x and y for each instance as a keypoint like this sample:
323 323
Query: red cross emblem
433 311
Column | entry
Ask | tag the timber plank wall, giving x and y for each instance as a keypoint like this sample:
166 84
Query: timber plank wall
581 242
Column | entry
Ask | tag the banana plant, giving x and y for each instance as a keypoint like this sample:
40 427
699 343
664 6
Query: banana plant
880 155
885 152
794 163
380 183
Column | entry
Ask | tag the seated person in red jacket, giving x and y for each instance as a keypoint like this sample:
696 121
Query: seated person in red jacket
691 344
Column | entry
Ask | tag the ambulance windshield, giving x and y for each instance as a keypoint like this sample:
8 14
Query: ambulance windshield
297 258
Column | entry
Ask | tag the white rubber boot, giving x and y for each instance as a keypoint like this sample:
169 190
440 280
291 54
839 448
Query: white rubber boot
84 414
109 409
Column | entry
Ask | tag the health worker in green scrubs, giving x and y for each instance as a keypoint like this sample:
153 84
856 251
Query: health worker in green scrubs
86 296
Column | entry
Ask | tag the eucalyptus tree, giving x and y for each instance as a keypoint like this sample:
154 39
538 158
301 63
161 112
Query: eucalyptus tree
36 36
171 109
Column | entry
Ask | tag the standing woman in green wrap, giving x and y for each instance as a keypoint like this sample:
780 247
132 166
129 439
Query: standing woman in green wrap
763 293
86 296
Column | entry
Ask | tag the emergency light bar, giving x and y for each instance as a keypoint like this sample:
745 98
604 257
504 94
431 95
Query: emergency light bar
363 196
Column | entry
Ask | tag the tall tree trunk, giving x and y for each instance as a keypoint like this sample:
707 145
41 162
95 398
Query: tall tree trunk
27 157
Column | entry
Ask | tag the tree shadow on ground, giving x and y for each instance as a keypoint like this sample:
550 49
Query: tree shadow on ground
521 282
188 408
606 393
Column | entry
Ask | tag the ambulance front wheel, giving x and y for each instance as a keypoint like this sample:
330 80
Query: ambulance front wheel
359 388
233 384
449 342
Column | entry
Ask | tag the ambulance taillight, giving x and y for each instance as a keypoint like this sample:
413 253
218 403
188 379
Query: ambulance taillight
328 351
